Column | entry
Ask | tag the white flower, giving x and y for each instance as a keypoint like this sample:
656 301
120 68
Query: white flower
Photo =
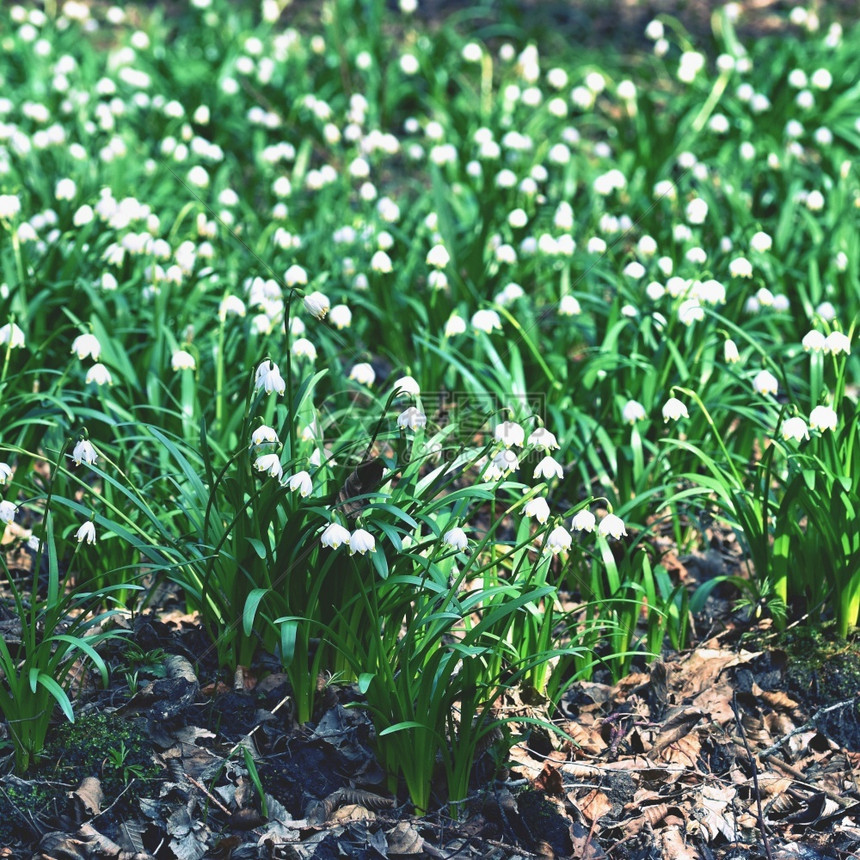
543 439
231 305
317 304
740 267
823 418
583 521
559 539
301 481
84 452
794 428
548 468
632 412
381 262
412 418
303 348
510 433
269 378
361 541
296 276
697 211
673 409
730 352
486 321
407 385
270 464
7 511
10 205
537 508
612 526
456 538
504 462
813 341
569 306
761 242
634 270
264 435
438 257
821 79
341 317
363 373
5 473
11 334
334 535
837 342
455 325
765 383
99 374
87 532
183 360
690 311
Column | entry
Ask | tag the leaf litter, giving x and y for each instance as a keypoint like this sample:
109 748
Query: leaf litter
716 752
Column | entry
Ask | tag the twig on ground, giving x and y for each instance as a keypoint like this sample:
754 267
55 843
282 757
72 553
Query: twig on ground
759 813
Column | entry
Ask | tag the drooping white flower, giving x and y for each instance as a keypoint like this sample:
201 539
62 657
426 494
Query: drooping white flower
438 257
813 341
341 317
673 409
296 276
765 383
837 342
301 481
264 435
11 334
509 433
487 321
408 386
690 311
612 526
182 360
361 541
730 352
583 521
632 412
87 532
84 452
558 539
269 378
334 536
823 418
794 428
231 305
697 211
99 374
543 439
363 373
7 511
5 473
537 508
317 304
569 306
761 242
504 462
741 267
270 464
412 418
303 348
86 345
455 325
548 468
456 538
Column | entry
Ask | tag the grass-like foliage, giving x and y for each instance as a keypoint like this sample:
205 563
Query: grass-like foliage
405 352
